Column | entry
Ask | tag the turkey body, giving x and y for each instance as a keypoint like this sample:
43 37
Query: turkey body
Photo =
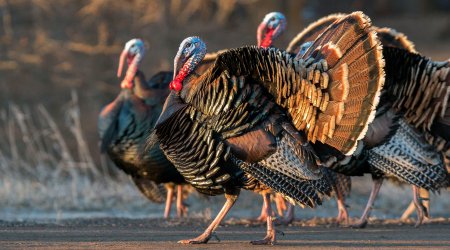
414 100
246 121
123 128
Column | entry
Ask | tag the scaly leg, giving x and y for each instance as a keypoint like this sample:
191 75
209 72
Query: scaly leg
281 204
408 211
375 189
270 236
289 216
342 209
425 197
420 208
263 216
181 208
169 199
206 235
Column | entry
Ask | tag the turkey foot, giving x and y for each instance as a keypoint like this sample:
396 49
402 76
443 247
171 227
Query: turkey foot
420 208
362 223
342 212
205 236
270 238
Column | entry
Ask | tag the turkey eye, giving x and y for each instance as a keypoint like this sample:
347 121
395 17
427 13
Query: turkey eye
188 45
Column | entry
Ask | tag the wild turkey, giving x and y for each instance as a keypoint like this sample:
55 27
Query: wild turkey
246 122
270 28
393 126
124 124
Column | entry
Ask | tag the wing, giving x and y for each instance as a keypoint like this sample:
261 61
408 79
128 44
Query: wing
108 122
330 94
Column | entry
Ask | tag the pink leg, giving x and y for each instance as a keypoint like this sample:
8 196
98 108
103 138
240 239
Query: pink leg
342 209
375 189
420 208
343 213
289 216
281 204
263 216
408 211
168 202
181 208
425 196
270 236
206 235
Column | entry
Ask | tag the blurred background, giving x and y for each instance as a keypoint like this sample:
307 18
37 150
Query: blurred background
58 61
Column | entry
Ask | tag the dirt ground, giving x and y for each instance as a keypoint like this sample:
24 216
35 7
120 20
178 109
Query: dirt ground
234 234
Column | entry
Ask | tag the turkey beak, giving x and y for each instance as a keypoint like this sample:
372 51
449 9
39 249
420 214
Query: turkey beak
276 32
122 59
259 33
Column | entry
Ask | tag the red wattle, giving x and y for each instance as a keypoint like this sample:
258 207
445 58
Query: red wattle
267 41
176 85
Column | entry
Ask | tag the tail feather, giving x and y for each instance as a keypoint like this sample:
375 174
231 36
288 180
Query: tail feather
358 69
154 192
391 37
418 86
312 31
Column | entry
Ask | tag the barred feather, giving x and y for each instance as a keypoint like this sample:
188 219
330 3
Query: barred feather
408 157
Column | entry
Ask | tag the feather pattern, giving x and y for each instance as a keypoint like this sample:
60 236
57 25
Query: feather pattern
123 126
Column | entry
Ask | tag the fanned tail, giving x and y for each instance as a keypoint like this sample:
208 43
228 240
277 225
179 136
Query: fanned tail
355 62
311 32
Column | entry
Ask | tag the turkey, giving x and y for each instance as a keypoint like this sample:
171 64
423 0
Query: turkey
123 126
247 121
407 105
272 27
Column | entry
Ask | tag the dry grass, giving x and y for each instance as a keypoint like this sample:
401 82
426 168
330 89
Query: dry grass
39 172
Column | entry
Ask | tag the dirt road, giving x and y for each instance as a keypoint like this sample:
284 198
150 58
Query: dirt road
158 234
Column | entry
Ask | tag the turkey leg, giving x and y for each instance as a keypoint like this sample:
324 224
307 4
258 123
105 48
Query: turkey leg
342 209
270 236
425 195
289 216
181 207
375 189
420 208
169 199
206 235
